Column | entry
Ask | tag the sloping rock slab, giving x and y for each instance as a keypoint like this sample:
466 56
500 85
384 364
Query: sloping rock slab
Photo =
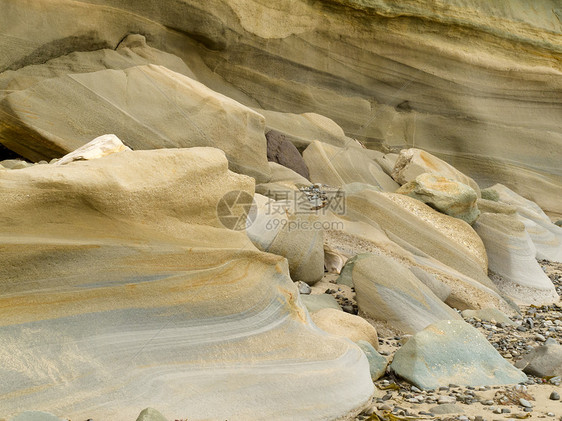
511 255
120 288
452 351
448 196
147 107
389 292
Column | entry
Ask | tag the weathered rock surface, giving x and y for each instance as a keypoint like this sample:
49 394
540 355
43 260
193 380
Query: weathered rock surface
511 255
282 151
447 196
377 363
452 351
546 236
544 361
147 107
127 286
280 229
303 129
98 148
413 162
447 239
489 111
388 292
439 288
349 237
347 325
335 167
132 51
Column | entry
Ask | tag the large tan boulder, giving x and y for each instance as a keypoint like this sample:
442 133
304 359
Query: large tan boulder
147 107
120 284
281 228
413 162
130 52
349 326
388 292
447 239
448 196
348 237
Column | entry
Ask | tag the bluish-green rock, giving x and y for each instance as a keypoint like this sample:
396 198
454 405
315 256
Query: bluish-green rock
452 351
377 363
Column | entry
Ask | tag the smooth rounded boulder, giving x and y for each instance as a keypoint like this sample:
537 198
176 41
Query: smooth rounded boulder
452 351
445 195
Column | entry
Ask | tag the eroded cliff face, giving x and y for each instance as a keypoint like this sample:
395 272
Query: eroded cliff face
478 84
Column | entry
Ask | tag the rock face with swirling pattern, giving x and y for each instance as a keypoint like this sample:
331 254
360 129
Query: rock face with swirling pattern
120 289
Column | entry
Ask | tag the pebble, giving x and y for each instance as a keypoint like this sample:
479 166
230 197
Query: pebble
554 396
525 403
446 399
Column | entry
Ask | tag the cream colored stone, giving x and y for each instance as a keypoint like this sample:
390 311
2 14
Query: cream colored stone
511 255
390 293
127 286
98 148
349 326
546 236
445 195
412 163
335 167
147 107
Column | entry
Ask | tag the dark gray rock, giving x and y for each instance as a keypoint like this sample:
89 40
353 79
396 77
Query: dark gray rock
282 151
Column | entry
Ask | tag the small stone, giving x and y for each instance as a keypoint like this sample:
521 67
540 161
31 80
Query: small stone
525 403
384 407
550 414
303 287
554 396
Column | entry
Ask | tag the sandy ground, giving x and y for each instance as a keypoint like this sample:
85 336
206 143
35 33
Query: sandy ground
396 399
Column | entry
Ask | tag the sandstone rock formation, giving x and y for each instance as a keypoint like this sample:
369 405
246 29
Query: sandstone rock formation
347 325
120 288
447 239
388 292
511 255
452 351
280 229
413 162
147 107
335 167
457 96
450 197
546 236
349 237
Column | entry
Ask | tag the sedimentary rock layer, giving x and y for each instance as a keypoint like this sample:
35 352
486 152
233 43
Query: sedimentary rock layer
477 83
120 289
